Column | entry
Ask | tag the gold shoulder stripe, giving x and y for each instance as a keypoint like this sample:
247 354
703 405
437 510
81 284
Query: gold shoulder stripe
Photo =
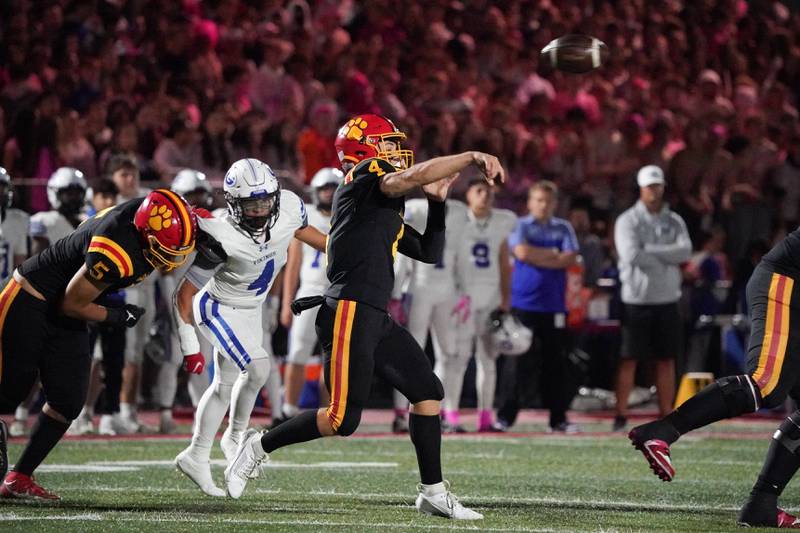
112 250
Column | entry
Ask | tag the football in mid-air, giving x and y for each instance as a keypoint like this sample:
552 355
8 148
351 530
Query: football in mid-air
575 53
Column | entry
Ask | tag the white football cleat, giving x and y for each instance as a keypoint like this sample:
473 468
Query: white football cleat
199 472
19 428
245 464
81 426
230 444
445 504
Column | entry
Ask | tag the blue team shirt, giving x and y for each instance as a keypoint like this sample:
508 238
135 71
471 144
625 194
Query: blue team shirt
535 288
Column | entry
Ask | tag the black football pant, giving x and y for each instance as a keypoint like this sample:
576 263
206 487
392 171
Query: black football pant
545 362
359 340
37 341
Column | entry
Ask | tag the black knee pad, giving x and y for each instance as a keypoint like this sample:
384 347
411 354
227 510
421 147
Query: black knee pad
741 394
350 422
788 433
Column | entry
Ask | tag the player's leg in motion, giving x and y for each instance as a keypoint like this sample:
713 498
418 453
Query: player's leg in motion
452 343
194 460
780 465
59 348
773 366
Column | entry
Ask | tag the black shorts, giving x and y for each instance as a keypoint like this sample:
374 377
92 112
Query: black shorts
37 341
773 353
651 331
359 340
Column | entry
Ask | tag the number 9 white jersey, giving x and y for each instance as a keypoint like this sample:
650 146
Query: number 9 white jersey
313 278
246 275
478 268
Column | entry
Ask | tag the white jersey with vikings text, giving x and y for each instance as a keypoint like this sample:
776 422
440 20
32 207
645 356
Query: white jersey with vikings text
13 239
479 249
246 276
50 225
438 277
313 278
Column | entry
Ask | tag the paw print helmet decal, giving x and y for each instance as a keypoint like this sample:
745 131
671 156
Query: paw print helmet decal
366 136
168 228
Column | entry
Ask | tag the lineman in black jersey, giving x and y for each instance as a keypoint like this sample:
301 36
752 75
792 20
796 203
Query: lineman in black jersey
45 307
773 373
358 337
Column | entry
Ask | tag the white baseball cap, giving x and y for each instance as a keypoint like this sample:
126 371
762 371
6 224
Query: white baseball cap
650 175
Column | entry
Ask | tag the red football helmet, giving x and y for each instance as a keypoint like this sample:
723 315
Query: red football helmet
362 137
168 227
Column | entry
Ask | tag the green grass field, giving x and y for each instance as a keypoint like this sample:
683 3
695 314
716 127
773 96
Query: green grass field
531 483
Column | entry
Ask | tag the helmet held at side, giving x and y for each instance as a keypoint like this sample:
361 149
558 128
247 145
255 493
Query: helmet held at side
369 135
507 334
168 228
253 194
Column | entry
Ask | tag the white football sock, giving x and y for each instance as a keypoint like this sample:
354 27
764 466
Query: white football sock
212 408
485 375
245 391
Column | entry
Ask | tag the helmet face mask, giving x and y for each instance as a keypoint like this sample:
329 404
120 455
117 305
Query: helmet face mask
366 136
71 199
253 195
323 186
168 228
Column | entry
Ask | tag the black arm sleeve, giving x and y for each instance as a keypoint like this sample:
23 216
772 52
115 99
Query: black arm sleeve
210 252
429 246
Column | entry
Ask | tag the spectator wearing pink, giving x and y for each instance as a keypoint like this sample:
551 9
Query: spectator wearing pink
272 90
710 98
73 148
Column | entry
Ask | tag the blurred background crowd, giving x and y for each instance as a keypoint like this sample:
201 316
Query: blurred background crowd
706 89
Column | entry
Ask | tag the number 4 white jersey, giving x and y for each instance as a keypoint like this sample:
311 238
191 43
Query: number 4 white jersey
13 239
313 278
439 277
247 273
478 267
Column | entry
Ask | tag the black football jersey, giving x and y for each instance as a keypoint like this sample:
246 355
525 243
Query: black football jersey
784 258
366 228
108 244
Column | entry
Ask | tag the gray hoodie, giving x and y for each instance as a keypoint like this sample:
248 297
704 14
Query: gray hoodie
651 246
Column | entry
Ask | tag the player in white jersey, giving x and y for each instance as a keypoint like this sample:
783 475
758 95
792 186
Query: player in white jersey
14 226
223 293
196 190
66 191
484 270
306 266
433 296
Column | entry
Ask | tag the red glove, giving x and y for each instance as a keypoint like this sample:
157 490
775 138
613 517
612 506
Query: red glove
194 364
202 212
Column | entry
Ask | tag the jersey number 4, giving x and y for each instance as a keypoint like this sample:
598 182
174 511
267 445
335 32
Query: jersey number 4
261 284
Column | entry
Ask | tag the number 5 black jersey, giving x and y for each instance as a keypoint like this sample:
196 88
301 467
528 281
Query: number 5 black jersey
367 231
108 243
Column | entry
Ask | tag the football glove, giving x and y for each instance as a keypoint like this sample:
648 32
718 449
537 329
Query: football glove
127 316
194 363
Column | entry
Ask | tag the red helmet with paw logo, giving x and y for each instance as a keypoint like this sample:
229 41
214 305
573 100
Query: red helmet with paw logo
366 136
168 227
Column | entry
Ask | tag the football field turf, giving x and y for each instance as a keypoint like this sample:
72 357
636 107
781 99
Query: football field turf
533 482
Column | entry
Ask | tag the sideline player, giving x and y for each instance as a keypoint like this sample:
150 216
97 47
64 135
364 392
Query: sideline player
44 309
433 296
484 270
773 369
307 269
14 246
196 190
223 293
357 335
